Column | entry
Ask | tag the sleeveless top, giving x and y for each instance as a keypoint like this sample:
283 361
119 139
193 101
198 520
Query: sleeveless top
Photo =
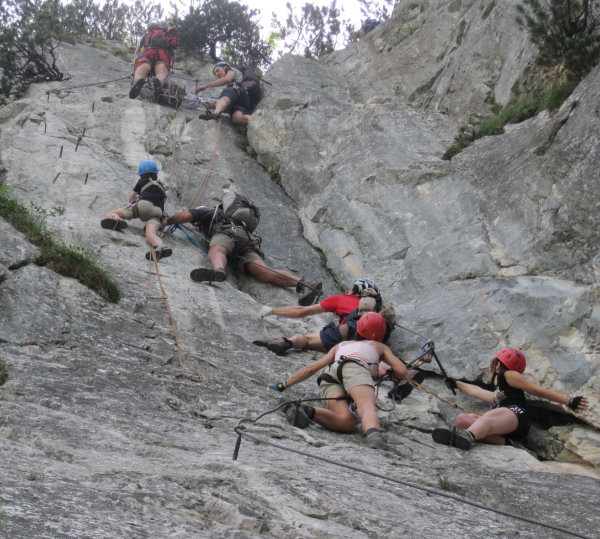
360 350
506 395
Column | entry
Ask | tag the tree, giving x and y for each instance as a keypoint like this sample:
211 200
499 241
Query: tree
377 9
27 48
223 30
565 32
313 32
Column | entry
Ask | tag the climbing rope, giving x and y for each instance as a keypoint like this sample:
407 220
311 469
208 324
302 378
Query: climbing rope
241 431
182 362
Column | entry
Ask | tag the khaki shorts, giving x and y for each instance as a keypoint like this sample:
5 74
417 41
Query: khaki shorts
244 248
354 375
147 211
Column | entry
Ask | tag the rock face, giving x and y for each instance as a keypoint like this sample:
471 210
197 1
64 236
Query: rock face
105 434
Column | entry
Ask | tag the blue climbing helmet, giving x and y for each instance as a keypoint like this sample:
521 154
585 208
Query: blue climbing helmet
146 167
220 64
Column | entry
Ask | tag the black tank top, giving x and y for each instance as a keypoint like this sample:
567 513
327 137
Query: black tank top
506 395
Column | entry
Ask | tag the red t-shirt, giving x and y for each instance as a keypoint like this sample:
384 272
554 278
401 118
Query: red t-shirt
342 305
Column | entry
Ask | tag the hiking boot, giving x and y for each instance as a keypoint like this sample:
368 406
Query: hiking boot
403 390
309 291
158 88
135 88
113 224
462 439
161 252
297 416
279 346
375 440
208 274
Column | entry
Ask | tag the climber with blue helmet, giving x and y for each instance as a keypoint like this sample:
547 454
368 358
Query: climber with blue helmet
146 202
239 97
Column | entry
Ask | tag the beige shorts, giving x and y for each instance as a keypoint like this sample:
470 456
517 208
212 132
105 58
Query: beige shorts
147 211
353 374
244 248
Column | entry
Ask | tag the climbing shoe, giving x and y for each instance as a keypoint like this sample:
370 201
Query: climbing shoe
462 439
135 88
280 347
375 440
208 274
403 390
298 416
113 224
209 116
309 291
161 252
158 88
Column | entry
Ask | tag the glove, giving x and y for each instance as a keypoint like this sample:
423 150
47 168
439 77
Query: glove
265 311
277 387
575 402
450 382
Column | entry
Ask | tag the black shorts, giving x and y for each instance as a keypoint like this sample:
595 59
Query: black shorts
239 98
520 433
330 336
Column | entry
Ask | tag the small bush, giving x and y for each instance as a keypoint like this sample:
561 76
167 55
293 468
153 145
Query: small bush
67 261
3 372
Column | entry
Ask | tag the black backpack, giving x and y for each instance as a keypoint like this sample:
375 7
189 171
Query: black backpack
240 210
253 85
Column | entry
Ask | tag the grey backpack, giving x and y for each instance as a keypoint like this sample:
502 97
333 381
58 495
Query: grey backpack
240 210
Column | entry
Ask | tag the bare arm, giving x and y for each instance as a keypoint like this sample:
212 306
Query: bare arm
309 370
476 391
520 382
387 356
226 79
296 311
132 196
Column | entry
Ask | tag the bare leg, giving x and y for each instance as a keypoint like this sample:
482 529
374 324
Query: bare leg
239 118
217 256
364 397
222 104
152 233
490 426
141 71
263 273
337 417
311 341
115 214
161 71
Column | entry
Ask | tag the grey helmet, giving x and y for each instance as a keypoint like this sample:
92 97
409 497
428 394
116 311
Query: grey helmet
362 284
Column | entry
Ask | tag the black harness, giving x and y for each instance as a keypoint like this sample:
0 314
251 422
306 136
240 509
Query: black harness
326 377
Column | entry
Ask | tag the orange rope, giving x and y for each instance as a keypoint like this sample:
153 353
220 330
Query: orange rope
211 165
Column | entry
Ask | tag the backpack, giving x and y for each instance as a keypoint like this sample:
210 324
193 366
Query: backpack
161 37
240 210
251 81
369 301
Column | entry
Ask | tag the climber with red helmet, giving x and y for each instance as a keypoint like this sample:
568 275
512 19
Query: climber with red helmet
146 202
351 368
363 297
507 418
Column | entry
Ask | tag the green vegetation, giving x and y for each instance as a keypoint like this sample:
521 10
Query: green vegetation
444 482
565 32
3 372
517 111
70 262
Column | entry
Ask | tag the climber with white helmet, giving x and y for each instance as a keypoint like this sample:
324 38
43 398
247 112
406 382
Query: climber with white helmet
363 297
146 202
350 371
507 419
239 97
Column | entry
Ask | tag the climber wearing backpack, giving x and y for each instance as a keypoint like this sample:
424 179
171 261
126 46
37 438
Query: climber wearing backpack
146 202
241 94
363 297
230 227
154 52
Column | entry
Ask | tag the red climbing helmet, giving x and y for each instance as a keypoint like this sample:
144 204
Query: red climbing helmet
371 326
512 359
